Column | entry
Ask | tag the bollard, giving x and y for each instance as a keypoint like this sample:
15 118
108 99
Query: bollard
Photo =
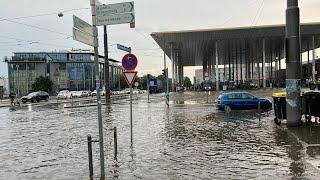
115 143
90 156
259 111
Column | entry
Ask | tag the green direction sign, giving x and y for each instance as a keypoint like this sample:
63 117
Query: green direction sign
116 19
82 25
118 8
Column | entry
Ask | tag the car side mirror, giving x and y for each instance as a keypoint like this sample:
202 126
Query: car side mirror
254 98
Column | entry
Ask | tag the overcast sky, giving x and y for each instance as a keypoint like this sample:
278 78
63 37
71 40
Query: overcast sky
54 33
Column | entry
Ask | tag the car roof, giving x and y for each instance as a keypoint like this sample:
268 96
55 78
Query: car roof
227 93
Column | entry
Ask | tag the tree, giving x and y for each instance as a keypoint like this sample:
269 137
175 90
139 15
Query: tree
187 82
42 84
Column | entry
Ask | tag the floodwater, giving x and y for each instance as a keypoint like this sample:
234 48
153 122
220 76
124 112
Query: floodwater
189 140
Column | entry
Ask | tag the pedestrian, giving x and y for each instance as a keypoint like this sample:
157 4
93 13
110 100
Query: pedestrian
12 95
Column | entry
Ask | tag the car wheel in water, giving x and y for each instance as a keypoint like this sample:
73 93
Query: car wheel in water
34 100
47 98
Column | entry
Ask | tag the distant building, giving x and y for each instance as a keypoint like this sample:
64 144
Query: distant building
4 86
198 76
68 70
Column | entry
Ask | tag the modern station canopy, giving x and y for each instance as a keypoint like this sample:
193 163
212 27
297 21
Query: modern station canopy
194 47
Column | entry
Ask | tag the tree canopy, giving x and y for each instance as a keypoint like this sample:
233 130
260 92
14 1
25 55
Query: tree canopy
42 84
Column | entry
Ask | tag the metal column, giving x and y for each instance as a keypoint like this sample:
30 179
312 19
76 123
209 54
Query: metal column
172 64
217 65
293 63
264 84
314 73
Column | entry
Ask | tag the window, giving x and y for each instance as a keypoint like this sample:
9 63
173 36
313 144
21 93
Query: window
247 96
235 96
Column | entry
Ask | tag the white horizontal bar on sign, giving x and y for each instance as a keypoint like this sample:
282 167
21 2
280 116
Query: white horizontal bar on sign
118 8
112 19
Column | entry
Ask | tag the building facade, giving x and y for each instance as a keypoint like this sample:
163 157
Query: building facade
67 70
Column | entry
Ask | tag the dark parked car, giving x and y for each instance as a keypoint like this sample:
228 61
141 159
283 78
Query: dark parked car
241 100
35 97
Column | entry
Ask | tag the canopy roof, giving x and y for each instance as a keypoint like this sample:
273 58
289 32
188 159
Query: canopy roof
194 46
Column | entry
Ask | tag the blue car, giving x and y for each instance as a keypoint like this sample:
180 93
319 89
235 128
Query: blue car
241 101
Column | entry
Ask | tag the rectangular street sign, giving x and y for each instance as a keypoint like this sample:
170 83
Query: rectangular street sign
115 19
83 37
124 48
82 25
118 8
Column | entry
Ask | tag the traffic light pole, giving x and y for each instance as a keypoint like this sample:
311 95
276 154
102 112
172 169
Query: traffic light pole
293 63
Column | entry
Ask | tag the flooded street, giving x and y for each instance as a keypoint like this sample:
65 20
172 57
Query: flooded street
189 140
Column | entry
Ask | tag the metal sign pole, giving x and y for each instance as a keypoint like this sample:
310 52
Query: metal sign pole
106 65
96 60
131 115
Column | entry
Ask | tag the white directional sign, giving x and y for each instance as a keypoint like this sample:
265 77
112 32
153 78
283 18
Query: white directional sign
120 13
82 25
83 37
119 8
115 19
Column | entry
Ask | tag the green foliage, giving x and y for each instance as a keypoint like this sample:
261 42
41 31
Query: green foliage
161 77
42 84
187 82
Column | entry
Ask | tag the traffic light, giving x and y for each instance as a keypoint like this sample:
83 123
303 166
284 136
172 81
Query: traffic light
164 72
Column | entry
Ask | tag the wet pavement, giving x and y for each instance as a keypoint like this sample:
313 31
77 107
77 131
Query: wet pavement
189 140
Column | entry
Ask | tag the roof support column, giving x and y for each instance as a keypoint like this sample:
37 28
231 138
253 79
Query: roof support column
237 73
308 66
172 63
229 59
258 64
314 73
217 65
241 65
271 66
264 84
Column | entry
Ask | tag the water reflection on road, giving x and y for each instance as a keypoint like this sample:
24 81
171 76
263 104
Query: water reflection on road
189 140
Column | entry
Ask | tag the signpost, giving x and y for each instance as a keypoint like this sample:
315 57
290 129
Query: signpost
129 63
119 13
124 48
81 25
112 19
117 8
111 14
130 76
82 31
83 37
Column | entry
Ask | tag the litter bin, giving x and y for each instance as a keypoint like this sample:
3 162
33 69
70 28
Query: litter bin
279 106
311 104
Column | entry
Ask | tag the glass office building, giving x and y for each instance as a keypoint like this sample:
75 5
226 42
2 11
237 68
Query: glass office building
67 70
